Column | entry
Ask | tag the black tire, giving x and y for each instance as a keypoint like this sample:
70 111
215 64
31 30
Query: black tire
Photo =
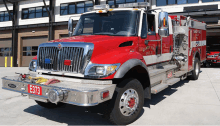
196 71
115 115
49 105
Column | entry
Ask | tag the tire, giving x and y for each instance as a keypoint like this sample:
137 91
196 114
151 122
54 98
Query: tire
49 105
129 91
195 72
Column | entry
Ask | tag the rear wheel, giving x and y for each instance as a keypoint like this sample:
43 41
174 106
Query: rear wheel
196 70
49 105
127 103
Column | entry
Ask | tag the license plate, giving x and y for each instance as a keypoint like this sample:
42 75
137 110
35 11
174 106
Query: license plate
33 89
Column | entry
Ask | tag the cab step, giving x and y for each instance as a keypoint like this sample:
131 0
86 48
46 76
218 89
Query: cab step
179 73
172 81
158 88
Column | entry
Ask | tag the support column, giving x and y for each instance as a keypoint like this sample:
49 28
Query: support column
15 34
51 20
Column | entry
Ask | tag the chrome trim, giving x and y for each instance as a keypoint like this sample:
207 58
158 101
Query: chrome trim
78 52
31 67
90 65
74 93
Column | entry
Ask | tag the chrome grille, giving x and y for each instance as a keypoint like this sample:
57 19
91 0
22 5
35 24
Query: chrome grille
57 57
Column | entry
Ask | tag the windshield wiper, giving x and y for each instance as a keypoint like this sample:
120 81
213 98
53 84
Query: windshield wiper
104 33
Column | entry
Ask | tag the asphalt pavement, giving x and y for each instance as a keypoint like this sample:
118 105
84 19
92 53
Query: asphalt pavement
185 103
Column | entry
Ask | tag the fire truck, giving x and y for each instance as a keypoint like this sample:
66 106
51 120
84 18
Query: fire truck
114 58
213 51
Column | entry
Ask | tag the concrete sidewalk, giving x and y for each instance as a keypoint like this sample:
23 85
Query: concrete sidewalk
185 103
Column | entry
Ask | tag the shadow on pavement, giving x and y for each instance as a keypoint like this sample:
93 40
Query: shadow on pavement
68 114
156 98
76 115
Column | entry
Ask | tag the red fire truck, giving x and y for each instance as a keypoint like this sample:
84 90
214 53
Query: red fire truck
213 51
115 58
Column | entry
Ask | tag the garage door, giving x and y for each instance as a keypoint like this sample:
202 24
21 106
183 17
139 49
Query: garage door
5 51
30 47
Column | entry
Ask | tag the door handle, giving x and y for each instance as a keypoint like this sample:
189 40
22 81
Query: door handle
146 42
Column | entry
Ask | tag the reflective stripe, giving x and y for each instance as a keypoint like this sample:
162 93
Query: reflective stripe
198 43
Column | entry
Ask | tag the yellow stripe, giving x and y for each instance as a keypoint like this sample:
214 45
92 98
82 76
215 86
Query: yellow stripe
5 61
11 61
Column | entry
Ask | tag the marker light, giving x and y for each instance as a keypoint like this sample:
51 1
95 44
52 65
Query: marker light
67 62
104 94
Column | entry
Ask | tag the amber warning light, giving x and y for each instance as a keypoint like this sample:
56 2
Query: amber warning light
164 21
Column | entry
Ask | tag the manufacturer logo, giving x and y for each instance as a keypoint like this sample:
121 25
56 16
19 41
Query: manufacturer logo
59 46
12 85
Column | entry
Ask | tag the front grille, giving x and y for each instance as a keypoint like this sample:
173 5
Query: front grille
57 57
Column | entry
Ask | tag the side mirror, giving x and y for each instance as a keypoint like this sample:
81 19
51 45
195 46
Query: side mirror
70 27
163 24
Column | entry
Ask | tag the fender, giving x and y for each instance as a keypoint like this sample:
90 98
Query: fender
125 67
128 65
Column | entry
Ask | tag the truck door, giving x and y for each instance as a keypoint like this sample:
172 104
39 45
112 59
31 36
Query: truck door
149 44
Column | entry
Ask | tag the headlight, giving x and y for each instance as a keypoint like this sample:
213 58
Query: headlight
33 65
215 55
100 70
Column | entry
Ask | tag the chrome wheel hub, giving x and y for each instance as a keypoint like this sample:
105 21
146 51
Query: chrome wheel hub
128 102
197 69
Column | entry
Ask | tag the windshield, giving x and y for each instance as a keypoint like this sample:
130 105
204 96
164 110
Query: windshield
115 23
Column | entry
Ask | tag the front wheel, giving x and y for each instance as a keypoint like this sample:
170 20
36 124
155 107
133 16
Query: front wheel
128 102
196 70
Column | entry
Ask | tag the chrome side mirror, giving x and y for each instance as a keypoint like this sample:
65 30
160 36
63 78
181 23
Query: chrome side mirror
70 27
163 24
163 32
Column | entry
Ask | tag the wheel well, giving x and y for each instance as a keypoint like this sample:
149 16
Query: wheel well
139 73
197 56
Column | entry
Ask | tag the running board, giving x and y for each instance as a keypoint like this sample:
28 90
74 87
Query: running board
179 73
173 81
158 88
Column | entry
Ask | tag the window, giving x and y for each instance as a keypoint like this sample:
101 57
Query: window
144 27
151 24
5 51
112 2
4 16
161 2
75 8
209 0
30 50
80 8
170 2
34 12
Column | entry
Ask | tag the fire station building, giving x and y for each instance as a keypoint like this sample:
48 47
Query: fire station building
24 24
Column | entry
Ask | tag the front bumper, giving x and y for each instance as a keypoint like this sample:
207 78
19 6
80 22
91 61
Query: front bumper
80 94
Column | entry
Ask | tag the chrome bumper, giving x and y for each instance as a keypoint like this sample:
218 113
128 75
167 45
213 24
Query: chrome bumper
80 94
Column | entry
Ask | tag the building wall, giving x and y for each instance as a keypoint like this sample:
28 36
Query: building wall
2 8
179 8
29 4
60 18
